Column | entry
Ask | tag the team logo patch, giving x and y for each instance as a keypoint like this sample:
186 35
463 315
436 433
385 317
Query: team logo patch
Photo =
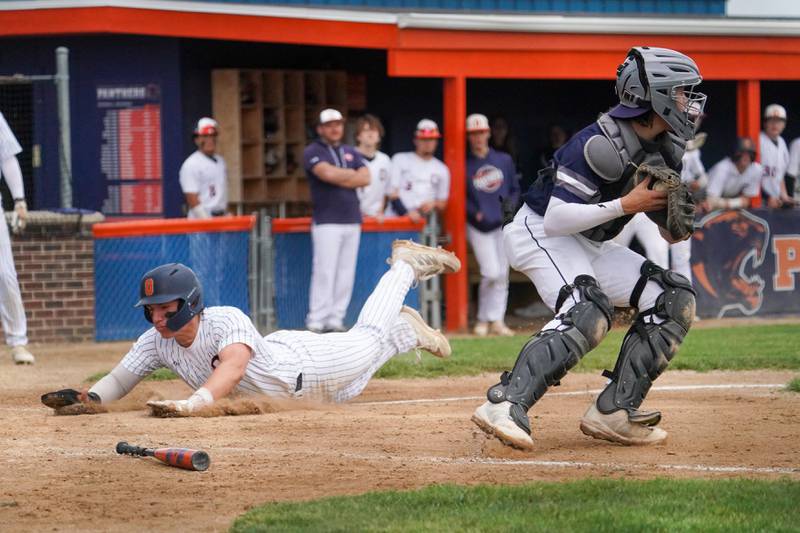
488 178
348 157
733 286
148 287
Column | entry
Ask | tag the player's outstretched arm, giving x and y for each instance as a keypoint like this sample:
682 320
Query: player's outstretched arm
112 386
233 363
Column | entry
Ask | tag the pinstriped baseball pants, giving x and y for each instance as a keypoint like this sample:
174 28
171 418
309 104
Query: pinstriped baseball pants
338 366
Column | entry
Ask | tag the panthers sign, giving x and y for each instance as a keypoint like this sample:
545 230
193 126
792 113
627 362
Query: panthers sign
747 262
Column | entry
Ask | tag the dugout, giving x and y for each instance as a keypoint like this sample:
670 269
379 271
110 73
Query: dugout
414 64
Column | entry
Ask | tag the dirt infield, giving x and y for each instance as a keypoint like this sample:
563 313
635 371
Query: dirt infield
61 473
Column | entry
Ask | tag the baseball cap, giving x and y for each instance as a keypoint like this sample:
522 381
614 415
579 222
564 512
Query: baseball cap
623 111
206 126
427 129
775 111
330 115
477 122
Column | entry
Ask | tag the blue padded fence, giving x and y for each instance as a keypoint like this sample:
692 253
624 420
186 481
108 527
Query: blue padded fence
220 260
293 274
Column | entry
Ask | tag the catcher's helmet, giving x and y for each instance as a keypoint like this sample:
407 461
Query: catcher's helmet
651 78
169 282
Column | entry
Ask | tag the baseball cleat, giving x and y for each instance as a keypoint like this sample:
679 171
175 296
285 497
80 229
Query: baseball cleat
494 419
429 339
426 261
499 327
481 329
617 427
22 356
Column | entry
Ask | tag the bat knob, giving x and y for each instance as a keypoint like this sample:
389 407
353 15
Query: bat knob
200 461
123 447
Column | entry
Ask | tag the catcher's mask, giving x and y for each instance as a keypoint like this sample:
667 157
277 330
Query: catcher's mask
166 283
662 80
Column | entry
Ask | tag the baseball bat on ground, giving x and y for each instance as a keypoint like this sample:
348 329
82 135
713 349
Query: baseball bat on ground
178 457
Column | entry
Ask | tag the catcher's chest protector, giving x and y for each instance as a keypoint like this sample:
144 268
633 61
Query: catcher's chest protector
614 156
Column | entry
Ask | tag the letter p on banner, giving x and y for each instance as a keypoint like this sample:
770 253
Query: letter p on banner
787 261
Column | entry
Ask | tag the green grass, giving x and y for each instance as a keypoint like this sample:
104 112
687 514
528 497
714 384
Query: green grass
735 348
794 385
162 374
586 505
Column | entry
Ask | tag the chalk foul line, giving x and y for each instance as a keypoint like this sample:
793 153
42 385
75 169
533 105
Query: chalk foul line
666 388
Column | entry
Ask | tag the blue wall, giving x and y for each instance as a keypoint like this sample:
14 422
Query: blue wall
98 61
683 7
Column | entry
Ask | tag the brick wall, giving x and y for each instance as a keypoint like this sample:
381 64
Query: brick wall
55 268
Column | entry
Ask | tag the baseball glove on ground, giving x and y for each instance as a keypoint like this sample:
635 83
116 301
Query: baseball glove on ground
72 402
678 217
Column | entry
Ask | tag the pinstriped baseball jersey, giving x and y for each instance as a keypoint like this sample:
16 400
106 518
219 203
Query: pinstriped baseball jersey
9 146
774 160
272 372
334 367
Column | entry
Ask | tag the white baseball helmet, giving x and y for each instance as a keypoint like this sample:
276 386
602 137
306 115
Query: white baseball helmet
427 129
775 111
477 122
206 126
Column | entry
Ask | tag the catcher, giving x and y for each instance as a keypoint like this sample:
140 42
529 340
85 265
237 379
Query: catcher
622 164
218 351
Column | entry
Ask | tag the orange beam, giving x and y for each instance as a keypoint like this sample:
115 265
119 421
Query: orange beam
748 117
580 64
455 216
171 226
119 20
369 225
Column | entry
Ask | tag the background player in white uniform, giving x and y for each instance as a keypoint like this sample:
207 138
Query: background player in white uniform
218 351
774 156
372 198
12 312
420 182
793 171
203 175
561 239
735 181
693 173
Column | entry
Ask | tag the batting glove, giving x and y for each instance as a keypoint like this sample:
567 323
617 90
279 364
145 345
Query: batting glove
163 408
19 215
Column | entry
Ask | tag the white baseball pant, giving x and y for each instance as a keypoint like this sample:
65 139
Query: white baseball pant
491 256
552 262
12 312
333 272
646 231
337 366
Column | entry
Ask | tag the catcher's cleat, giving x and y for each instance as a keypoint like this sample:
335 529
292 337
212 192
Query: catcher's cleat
426 261
429 339
618 427
494 419
22 356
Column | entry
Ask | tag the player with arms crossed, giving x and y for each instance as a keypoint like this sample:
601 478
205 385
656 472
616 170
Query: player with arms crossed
218 350
561 239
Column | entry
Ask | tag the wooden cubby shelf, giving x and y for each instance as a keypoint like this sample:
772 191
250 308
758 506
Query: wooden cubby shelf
267 117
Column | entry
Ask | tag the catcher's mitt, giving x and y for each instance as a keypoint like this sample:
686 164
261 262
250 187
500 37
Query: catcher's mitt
72 402
678 217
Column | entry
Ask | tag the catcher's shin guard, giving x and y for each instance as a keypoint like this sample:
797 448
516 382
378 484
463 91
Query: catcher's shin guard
548 355
648 347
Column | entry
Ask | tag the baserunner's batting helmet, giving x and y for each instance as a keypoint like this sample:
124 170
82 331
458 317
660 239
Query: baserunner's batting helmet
167 283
